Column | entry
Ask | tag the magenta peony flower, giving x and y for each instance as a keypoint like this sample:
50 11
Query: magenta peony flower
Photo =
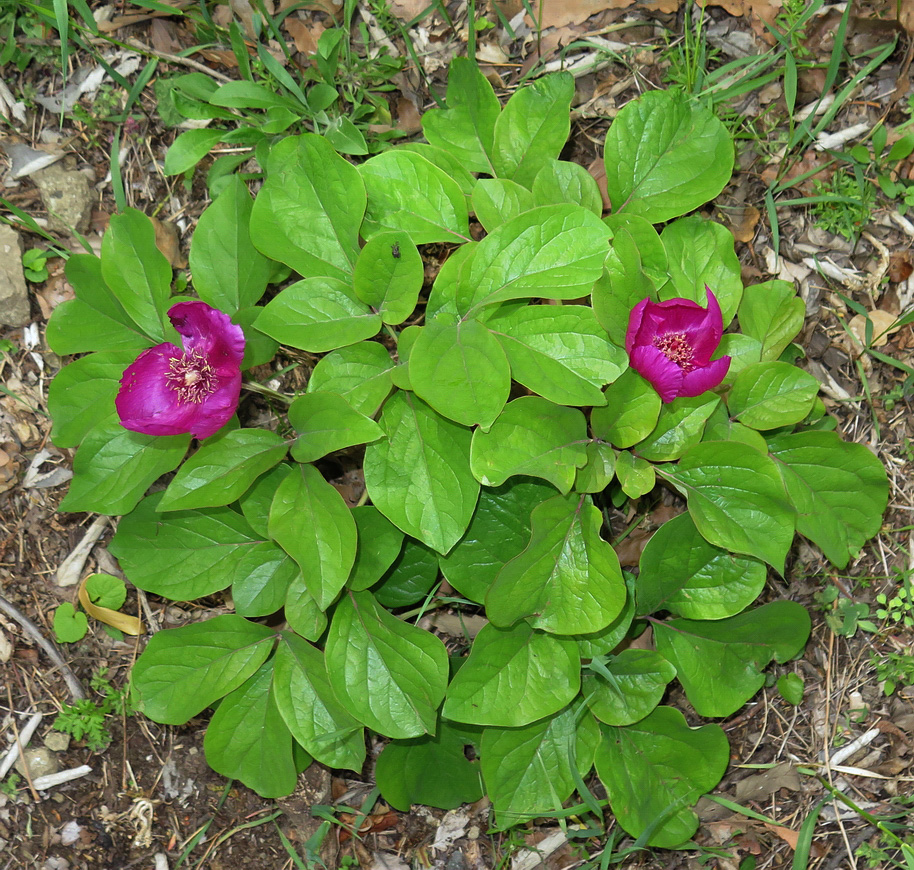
170 391
670 344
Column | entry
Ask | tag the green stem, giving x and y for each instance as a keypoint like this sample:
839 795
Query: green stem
254 387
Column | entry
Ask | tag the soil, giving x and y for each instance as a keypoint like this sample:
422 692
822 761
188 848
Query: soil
150 800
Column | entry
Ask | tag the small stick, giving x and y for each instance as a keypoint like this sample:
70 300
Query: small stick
73 684
20 745
43 783
24 736
71 568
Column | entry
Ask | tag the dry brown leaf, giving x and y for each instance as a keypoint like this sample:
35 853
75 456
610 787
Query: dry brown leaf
578 11
163 36
742 222
121 621
168 243
883 327
786 834
900 267
760 786
304 37
408 118
407 10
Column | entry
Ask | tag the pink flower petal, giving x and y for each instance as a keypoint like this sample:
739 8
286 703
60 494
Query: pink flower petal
210 331
697 381
145 402
707 337
634 324
664 375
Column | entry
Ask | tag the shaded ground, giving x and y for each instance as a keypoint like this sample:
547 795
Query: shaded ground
150 792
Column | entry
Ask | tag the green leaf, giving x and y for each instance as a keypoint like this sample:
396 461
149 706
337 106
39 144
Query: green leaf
499 530
720 663
326 422
555 251
651 253
223 469
681 572
317 315
630 413
790 688
447 161
567 580
310 521
528 771
665 155
389 675
601 643
310 708
94 320
498 200
360 373
402 771
409 194
106 591
410 577
389 275
255 503
259 348
189 148
248 95
721 428
621 286
466 128
598 472
420 478
113 468
197 552
70 624
636 475
767 395
308 212
453 273
248 740
380 542
655 769
773 314
82 394
137 272
184 670
736 499
679 427
461 370
639 681
559 352
533 128
534 437
229 273
701 252
512 677
562 181
840 490
302 612
261 584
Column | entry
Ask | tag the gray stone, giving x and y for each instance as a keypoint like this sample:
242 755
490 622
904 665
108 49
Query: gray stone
14 299
67 197
41 762
57 741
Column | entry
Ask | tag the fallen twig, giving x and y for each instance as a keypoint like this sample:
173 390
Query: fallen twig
32 630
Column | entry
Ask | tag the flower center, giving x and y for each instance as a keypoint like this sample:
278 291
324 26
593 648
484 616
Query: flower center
191 377
676 348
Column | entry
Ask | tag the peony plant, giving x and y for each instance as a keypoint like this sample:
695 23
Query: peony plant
520 379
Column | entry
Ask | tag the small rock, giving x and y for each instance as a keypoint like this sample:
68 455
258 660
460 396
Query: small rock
41 762
14 300
57 741
67 197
